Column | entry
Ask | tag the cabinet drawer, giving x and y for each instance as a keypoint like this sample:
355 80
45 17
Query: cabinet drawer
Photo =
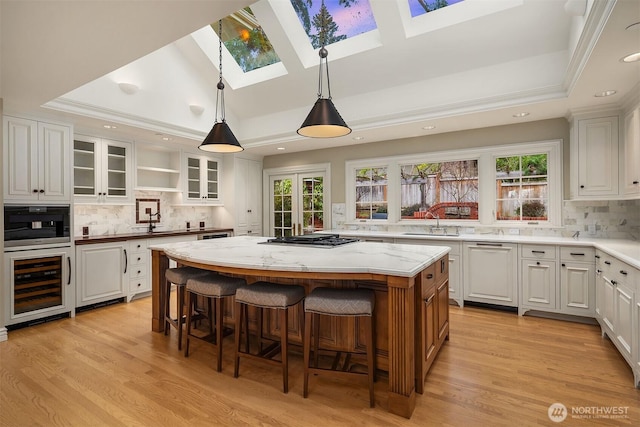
140 284
538 251
137 271
138 245
139 258
577 253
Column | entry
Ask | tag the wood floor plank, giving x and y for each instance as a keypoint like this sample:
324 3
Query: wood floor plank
106 368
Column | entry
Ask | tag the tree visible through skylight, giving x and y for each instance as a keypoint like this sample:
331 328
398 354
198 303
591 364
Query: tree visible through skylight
245 40
345 19
420 7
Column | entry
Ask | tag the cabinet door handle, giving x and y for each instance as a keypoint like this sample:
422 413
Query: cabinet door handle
429 299
537 262
489 244
582 186
564 265
35 190
623 272
126 261
41 191
429 276
69 263
597 256
576 254
598 271
635 182
608 262
537 252
614 283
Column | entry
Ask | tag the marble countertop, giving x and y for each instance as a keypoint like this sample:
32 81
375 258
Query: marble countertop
625 250
359 257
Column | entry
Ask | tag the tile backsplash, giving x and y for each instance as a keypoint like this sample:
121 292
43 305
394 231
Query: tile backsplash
611 219
117 219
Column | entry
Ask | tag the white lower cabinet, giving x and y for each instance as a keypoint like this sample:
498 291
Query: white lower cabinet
577 281
491 272
617 307
538 270
102 272
140 270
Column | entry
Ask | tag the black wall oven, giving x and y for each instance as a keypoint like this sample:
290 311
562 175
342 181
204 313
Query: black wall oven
36 225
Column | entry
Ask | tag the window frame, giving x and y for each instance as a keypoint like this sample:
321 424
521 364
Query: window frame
487 194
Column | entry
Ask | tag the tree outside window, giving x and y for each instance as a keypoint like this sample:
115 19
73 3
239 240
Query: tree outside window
371 193
522 188
443 189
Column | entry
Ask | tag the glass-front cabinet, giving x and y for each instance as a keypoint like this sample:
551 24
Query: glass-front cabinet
102 170
202 183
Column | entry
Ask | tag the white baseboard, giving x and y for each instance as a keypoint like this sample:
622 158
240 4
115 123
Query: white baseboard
3 334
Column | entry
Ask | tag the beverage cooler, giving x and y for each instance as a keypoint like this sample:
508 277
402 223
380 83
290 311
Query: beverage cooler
40 284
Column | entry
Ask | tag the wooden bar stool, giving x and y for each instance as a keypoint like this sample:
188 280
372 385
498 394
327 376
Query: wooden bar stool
212 287
339 302
272 296
179 277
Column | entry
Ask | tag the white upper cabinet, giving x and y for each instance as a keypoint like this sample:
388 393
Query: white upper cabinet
630 177
201 179
102 170
595 155
36 161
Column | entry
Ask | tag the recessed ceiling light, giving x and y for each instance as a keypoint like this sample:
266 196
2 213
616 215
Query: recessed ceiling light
280 148
634 57
109 126
605 93
429 127
520 115
166 138
358 138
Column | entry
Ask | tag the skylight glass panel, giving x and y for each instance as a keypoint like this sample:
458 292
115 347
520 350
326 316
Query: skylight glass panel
420 7
245 40
345 19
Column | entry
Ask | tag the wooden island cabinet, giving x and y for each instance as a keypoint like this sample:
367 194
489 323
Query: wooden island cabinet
411 289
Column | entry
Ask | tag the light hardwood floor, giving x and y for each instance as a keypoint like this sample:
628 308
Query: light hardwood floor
106 368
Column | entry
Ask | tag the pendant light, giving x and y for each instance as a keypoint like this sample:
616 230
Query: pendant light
324 121
220 139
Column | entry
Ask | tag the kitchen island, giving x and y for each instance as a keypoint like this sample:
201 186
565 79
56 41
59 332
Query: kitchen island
409 332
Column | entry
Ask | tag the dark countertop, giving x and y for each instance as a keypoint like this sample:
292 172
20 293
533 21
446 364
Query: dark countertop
109 238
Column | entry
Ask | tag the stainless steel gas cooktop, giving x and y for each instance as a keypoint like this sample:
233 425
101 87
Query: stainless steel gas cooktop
313 240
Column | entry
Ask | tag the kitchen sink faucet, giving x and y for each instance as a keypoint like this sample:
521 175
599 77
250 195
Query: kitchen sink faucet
434 216
151 215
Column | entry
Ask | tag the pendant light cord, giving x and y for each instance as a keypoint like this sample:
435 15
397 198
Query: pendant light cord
323 53
220 92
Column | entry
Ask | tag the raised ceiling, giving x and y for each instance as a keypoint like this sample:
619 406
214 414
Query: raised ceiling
473 64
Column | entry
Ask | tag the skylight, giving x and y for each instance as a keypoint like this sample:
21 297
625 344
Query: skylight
346 19
420 7
245 40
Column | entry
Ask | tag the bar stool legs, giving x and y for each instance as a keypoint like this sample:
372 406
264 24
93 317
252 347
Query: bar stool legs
344 303
264 295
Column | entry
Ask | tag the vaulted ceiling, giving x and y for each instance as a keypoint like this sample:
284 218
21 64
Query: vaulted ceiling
473 64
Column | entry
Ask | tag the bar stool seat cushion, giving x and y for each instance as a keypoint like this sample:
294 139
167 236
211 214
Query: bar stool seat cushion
180 275
340 302
270 295
214 285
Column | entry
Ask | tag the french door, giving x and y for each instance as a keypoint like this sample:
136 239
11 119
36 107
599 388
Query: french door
297 203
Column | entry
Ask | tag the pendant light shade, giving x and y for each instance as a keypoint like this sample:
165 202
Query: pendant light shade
220 139
324 121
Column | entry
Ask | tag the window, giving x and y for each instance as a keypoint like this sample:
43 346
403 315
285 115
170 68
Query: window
522 188
344 19
442 190
371 193
508 185
420 7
